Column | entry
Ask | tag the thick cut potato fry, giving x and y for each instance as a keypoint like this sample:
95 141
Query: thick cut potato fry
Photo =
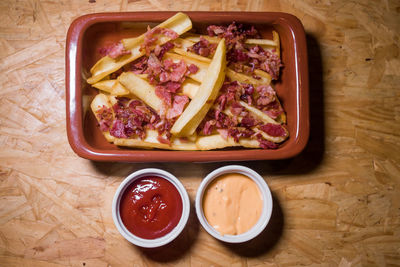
275 139
142 89
282 117
243 78
98 102
216 141
105 86
190 88
258 113
119 90
261 42
113 87
196 37
151 141
182 43
197 109
191 55
180 23
275 36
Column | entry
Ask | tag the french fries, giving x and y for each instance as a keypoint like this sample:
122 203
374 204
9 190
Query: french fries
205 96
141 88
180 23
174 103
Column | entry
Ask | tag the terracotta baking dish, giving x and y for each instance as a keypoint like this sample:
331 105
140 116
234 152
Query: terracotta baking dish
90 32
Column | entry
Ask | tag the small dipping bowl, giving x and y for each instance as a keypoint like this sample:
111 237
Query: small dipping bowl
265 212
168 237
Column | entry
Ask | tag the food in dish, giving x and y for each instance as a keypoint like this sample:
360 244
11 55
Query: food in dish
232 204
151 207
171 89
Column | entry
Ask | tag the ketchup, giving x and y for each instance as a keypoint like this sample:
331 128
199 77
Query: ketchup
151 207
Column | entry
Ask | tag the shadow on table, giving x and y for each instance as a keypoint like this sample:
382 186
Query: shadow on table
265 241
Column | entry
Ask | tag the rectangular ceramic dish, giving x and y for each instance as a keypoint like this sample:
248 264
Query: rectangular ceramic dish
90 32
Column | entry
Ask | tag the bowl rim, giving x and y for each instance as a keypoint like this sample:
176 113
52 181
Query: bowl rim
74 110
266 212
160 241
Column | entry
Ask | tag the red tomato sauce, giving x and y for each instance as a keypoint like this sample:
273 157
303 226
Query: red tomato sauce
151 207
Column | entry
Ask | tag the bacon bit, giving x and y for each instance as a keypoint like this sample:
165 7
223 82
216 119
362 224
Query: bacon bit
266 95
234 34
265 144
221 100
236 108
273 113
154 65
203 47
118 50
114 50
248 121
273 109
117 129
163 94
105 117
208 127
163 140
193 69
238 55
223 133
169 33
234 133
132 118
273 129
163 49
165 77
134 103
178 106
178 71
172 87
139 65
150 38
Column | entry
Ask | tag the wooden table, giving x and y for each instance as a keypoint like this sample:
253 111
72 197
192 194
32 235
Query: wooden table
338 203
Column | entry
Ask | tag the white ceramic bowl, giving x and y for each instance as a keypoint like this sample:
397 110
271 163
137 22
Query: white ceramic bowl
157 242
265 213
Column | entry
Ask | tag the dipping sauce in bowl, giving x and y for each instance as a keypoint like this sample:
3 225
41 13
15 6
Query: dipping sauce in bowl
233 204
150 208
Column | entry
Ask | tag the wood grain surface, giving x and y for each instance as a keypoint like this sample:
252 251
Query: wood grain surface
337 204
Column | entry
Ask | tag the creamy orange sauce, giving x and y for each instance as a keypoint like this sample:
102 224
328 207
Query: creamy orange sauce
232 204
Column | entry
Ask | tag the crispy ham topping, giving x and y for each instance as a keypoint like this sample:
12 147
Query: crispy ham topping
238 54
133 117
203 47
179 104
229 116
152 35
114 51
105 117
